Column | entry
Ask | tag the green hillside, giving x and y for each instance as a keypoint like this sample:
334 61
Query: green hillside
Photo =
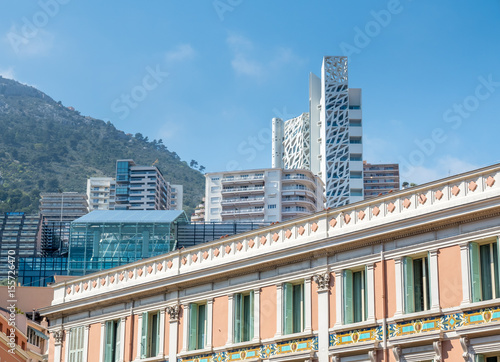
46 147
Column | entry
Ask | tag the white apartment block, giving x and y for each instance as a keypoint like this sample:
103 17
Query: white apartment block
101 193
328 139
265 195
176 197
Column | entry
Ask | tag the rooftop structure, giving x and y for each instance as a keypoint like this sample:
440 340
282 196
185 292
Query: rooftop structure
103 239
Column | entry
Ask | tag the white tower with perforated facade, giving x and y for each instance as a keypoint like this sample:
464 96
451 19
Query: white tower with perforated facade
328 139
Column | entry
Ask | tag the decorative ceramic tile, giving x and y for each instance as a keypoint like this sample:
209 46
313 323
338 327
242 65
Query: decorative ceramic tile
376 211
276 237
472 186
361 215
288 234
333 222
314 227
263 240
490 181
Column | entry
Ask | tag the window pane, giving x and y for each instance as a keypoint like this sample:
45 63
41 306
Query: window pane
202 321
358 287
418 291
486 285
246 318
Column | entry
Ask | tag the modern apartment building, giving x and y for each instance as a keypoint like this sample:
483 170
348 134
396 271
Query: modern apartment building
265 195
101 193
328 139
408 276
198 215
18 239
177 197
65 206
141 187
379 179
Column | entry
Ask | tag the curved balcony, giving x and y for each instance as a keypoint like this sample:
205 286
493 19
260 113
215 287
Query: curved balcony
243 180
298 200
243 201
301 179
243 190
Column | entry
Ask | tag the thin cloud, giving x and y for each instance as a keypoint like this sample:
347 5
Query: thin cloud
37 43
180 53
443 167
245 60
8 73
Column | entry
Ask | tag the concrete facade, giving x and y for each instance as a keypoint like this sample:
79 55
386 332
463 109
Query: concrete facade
265 195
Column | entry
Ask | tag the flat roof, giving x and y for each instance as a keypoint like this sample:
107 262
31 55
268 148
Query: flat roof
130 216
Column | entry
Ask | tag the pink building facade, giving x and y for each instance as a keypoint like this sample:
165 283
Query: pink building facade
409 276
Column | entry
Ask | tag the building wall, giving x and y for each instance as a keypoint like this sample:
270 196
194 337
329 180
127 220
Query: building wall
94 340
327 245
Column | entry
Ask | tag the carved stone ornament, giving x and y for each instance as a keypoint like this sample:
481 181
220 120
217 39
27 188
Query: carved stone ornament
322 280
464 342
173 312
437 350
397 353
372 355
58 336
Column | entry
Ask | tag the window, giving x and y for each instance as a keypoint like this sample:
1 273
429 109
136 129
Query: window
416 284
293 308
112 342
483 358
355 296
243 317
485 272
150 334
76 344
273 206
197 326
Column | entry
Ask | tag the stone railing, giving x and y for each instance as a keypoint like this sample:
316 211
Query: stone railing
468 188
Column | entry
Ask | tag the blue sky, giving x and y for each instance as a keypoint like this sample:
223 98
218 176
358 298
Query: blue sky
207 76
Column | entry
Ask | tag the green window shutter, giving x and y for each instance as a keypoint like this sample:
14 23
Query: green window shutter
202 325
298 308
245 322
479 358
144 335
237 317
496 262
108 350
348 300
251 320
193 326
475 272
427 275
118 340
408 285
288 308
156 335
365 290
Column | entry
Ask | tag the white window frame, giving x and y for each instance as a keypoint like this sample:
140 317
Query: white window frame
307 308
339 296
433 284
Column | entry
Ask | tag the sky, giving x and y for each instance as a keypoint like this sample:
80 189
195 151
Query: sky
207 76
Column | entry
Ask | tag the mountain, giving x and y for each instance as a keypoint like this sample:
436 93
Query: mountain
47 147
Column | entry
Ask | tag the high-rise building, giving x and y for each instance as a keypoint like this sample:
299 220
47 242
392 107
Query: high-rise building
18 239
101 193
177 197
65 206
265 195
379 179
140 187
328 139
